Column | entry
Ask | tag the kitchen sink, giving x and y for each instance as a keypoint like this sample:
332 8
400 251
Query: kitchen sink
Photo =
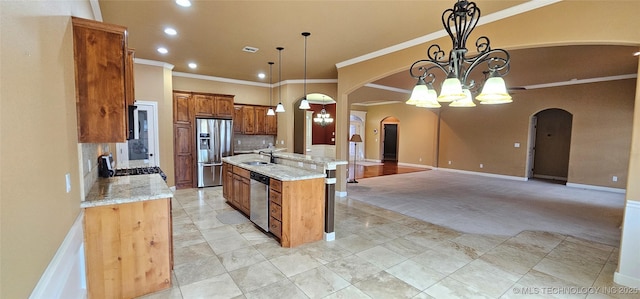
255 163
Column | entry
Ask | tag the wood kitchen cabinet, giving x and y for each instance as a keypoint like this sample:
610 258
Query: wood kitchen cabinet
104 80
209 105
296 211
128 248
253 120
271 124
238 185
248 120
260 122
204 105
224 106
237 119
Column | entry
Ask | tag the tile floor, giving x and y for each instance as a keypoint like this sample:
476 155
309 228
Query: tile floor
377 254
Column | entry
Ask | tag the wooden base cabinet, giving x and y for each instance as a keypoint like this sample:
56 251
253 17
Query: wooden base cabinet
128 249
296 211
236 187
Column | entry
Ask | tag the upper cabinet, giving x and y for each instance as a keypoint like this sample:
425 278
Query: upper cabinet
253 120
209 105
104 81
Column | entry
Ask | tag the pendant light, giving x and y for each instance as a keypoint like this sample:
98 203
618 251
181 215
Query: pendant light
304 104
270 111
280 107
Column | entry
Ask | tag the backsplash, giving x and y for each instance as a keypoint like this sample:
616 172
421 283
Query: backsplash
242 143
89 161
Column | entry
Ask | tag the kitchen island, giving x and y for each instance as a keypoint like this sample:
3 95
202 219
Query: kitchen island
128 236
297 205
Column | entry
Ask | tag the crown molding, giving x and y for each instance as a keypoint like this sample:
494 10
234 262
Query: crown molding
154 63
581 81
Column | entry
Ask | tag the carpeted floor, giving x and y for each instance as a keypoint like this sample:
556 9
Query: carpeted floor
483 205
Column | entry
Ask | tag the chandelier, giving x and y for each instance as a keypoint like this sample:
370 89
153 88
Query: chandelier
323 118
459 21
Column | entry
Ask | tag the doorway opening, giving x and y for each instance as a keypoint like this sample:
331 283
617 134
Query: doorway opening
141 151
550 145
390 136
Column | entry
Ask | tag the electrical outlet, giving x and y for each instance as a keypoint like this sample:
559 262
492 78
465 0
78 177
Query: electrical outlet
313 166
239 142
264 142
517 144
481 165
89 164
420 159
449 162
614 178
281 141
300 164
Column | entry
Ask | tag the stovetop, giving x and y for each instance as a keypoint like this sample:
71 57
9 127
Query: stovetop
140 170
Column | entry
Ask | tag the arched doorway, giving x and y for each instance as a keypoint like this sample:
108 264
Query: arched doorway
551 129
389 127
310 138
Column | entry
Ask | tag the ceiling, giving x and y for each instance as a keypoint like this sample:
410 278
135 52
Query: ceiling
213 34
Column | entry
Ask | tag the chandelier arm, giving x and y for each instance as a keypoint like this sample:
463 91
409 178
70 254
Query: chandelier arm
425 70
495 63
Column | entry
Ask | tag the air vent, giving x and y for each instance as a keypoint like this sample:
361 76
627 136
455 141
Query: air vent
250 49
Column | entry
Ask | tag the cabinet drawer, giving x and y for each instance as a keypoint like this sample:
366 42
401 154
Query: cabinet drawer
276 197
275 211
241 171
275 227
276 185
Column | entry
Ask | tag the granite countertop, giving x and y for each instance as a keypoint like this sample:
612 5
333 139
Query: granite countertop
126 189
276 171
328 163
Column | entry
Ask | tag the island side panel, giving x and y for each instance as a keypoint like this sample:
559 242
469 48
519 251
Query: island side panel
303 205
127 249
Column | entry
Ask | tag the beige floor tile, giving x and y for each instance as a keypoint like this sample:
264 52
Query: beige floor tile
355 243
536 242
451 288
325 252
486 278
574 274
240 258
605 285
510 257
283 288
294 263
228 244
591 259
256 237
319 282
480 243
381 257
192 253
386 286
272 249
221 286
198 270
376 235
349 292
395 229
220 233
439 261
256 276
353 268
187 239
417 275
453 249
172 293
404 247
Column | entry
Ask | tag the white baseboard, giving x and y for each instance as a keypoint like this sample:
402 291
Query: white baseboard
415 165
372 160
492 175
65 276
598 188
341 193
628 273
330 236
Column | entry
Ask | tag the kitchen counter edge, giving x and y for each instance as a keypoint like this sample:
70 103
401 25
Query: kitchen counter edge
276 171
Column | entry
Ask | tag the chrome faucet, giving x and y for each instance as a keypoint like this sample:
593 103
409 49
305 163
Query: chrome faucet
272 159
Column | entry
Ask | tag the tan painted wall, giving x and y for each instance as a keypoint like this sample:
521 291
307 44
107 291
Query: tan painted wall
152 84
39 142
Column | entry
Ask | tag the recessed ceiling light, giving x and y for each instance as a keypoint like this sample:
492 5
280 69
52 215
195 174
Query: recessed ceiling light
193 65
163 50
183 3
170 31
262 75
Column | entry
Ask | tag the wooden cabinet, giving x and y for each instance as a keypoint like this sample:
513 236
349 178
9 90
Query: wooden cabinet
209 105
183 140
128 249
237 183
104 80
253 120
296 211
271 125
237 119
248 120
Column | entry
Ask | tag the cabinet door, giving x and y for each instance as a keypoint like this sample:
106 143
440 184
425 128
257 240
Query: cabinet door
237 191
245 201
248 120
237 119
227 184
204 105
130 92
272 125
99 54
183 163
223 106
261 116
182 108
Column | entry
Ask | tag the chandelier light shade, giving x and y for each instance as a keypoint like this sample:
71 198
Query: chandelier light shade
459 22
270 111
304 104
323 118
280 107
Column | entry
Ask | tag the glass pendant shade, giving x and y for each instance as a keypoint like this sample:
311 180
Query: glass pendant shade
419 92
466 102
304 104
280 108
494 92
271 112
451 90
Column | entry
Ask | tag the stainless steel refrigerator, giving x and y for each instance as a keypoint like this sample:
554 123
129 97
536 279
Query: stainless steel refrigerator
213 141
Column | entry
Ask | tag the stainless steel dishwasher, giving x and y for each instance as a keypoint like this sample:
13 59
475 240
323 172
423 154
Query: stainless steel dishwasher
259 204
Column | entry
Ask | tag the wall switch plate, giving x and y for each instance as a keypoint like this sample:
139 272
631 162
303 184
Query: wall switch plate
517 144
449 162
67 178
481 165
614 178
